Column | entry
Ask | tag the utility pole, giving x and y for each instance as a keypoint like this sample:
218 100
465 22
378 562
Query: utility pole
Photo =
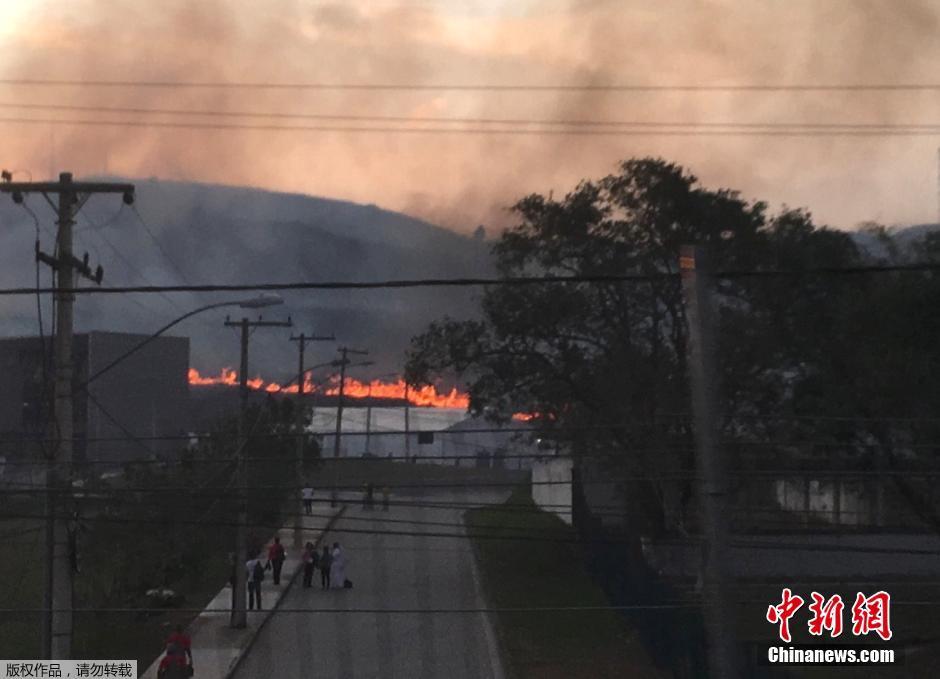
302 340
407 423
239 617
369 420
710 463
57 624
343 362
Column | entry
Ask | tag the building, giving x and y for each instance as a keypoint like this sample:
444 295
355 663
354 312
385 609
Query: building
132 411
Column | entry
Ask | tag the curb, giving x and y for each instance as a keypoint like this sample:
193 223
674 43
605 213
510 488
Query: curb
233 667
495 643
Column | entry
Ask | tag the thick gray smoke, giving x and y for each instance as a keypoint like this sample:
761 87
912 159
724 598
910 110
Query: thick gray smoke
460 180
208 234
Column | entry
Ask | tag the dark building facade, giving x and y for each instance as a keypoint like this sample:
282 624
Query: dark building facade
143 397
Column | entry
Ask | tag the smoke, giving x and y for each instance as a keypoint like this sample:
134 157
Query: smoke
461 180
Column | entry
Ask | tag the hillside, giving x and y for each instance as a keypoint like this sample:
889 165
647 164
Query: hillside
220 234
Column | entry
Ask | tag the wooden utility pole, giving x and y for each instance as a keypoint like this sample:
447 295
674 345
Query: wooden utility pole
239 616
710 463
57 624
343 362
302 340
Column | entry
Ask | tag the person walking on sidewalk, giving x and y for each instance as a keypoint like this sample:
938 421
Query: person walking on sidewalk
276 557
181 640
173 665
310 559
307 495
255 577
326 563
338 567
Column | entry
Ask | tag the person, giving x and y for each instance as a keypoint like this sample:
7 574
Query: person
326 564
255 577
370 496
307 494
181 640
173 664
338 567
385 494
310 559
276 557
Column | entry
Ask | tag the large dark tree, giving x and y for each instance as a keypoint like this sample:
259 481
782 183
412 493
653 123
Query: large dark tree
603 365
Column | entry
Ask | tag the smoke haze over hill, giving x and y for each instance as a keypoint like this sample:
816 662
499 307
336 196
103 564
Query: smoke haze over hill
460 179
211 234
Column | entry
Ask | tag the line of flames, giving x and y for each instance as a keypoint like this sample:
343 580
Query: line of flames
424 396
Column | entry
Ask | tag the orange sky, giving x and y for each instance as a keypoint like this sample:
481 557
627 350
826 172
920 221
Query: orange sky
461 180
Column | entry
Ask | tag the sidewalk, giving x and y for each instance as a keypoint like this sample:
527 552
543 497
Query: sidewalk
217 648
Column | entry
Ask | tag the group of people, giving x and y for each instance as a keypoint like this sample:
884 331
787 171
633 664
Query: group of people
255 569
331 563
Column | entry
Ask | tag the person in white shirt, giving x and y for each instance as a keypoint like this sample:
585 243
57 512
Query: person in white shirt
307 494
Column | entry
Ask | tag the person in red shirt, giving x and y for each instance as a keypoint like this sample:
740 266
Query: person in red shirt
173 665
276 557
181 640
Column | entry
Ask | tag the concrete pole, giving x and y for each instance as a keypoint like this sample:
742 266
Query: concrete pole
710 465
369 420
239 617
298 518
60 476
339 420
407 422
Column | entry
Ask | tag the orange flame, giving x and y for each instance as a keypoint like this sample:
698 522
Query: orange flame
425 396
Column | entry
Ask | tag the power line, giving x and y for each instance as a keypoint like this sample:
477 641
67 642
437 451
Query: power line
517 131
166 255
135 271
482 87
393 611
438 120
474 282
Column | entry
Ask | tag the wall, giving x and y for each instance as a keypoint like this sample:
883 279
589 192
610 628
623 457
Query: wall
147 393
551 486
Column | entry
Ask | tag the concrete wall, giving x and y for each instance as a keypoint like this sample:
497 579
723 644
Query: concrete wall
147 393
551 486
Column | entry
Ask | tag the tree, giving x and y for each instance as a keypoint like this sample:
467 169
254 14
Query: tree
603 365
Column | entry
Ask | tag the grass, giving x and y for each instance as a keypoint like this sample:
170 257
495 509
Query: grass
97 635
574 645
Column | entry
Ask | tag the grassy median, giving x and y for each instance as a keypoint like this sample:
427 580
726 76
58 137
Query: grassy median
550 573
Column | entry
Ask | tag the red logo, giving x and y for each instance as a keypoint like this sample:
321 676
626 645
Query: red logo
782 613
872 614
827 615
869 614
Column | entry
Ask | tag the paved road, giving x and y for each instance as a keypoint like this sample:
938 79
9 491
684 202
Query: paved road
388 571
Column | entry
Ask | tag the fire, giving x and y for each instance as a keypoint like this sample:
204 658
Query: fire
227 376
425 396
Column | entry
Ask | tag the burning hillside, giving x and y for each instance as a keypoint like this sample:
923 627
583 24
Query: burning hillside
425 396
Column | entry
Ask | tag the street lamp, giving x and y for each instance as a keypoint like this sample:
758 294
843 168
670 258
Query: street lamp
259 302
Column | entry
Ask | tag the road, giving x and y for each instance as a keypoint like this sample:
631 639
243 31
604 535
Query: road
388 571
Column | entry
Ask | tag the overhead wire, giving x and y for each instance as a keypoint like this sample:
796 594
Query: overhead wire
522 131
443 120
483 87
913 267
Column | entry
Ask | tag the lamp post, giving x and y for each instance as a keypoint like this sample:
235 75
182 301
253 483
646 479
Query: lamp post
253 303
